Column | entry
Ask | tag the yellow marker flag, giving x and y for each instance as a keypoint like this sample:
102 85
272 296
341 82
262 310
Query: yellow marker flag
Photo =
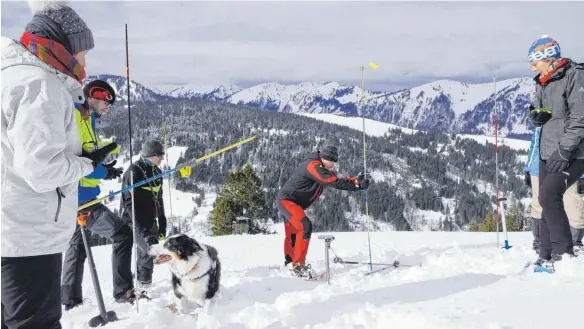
373 65
185 171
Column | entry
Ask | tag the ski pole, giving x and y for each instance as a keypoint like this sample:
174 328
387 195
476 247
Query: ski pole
168 172
169 185
365 162
506 241
104 316
496 124
134 236
340 261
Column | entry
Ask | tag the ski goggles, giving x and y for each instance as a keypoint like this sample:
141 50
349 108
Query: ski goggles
101 94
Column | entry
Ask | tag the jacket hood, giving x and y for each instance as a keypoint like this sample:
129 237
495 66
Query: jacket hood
15 54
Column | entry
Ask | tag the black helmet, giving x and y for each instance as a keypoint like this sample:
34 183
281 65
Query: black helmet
101 90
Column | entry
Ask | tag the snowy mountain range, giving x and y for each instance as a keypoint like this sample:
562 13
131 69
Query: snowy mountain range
445 105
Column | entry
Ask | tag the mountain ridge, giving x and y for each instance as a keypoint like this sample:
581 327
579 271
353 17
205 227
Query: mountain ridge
445 105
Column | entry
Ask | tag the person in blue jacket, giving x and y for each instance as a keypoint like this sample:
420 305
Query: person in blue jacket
573 199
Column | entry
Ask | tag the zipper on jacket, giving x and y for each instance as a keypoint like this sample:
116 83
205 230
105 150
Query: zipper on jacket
60 195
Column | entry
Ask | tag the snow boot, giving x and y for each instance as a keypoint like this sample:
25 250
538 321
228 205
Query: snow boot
578 247
143 289
304 272
76 302
128 297
544 265
577 235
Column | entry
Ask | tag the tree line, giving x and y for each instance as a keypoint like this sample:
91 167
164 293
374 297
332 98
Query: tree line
430 168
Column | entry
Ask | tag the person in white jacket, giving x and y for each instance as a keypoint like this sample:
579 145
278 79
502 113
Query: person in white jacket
41 159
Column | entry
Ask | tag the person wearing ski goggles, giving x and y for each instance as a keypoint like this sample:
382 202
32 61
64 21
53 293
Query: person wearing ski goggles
99 96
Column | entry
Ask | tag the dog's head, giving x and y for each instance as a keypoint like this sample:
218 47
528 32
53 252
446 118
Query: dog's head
182 247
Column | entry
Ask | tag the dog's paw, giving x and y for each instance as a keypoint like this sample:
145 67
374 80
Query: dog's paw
185 307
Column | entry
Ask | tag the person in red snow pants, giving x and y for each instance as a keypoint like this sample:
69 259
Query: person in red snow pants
302 189
298 231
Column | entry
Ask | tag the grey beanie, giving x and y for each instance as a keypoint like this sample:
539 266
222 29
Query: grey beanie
152 148
66 21
330 153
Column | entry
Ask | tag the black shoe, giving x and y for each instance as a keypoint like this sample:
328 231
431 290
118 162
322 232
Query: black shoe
128 297
76 302
556 258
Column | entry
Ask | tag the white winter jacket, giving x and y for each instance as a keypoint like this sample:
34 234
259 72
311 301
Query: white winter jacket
40 144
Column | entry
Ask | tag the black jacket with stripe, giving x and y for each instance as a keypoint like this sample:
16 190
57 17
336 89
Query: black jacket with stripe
149 204
308 181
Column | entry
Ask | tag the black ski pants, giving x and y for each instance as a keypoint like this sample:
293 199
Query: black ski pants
554 231
30 292
108 225
145 261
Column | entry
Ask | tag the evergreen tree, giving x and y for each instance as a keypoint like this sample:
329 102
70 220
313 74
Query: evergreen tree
515 216
241 195
474 226
489 225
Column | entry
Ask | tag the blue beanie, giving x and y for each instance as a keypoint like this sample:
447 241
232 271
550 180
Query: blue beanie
544 48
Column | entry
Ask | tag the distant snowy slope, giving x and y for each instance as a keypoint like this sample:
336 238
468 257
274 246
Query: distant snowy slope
376 128
446 105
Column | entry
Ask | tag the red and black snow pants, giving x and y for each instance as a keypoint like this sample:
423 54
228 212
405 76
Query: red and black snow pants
298 231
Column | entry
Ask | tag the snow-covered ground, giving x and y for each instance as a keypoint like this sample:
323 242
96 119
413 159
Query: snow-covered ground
464 282
378 128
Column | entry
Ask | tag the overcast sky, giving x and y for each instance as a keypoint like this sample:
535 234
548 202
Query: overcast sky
245 43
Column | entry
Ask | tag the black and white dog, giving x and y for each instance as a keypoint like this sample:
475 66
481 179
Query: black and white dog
196 271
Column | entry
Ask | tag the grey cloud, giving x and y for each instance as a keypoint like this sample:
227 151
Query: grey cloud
226 42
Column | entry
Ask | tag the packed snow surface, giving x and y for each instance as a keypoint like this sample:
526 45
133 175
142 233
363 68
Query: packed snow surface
465 281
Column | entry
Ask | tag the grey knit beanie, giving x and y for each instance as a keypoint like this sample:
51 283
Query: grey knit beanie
330 153
62 24
152 148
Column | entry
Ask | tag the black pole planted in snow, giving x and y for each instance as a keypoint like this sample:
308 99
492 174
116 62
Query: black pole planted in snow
104 317
135 237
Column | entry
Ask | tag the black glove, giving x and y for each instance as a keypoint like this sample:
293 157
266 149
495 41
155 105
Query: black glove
580 186
363 182
527 179
99 155
559 161
111 171
538 117
161 228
